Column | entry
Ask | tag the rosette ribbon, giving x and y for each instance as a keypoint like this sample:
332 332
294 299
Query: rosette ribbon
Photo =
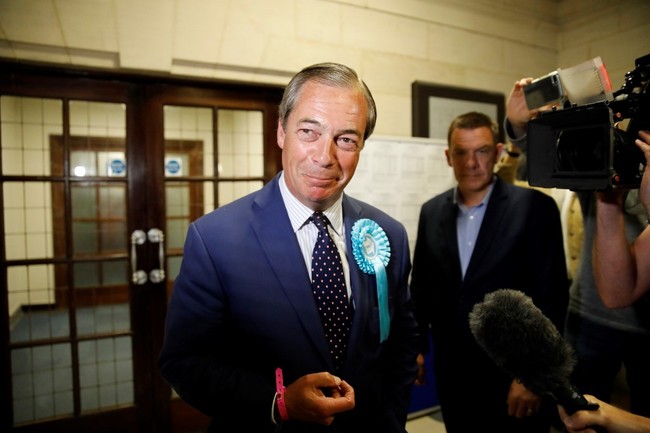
371 251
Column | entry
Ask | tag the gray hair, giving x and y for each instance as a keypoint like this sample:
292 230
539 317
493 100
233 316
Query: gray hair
330 74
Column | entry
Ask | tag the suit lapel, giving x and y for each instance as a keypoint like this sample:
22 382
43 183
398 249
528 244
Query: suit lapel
278 241
448 220
362 287
494 215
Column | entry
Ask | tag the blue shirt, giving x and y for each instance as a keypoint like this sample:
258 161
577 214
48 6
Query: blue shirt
468 225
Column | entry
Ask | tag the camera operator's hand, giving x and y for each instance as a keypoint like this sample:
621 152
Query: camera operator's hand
614 419
644 191
517 111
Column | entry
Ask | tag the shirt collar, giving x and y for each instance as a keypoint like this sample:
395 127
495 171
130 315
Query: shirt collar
299 213
486 197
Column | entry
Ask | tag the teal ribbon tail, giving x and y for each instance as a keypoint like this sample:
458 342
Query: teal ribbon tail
382 299
371 251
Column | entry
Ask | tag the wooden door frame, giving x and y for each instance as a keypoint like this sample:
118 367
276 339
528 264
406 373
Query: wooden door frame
145 95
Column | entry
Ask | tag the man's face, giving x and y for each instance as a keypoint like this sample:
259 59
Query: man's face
472 154
321 143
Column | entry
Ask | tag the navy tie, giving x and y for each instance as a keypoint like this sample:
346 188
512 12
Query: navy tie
330 292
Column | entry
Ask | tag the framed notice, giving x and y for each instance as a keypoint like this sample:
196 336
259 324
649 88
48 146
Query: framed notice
434 106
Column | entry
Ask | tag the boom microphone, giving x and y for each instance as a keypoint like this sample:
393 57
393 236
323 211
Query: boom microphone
526 344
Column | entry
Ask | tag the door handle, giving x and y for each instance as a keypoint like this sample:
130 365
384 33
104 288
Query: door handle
156 275
156 236
138 277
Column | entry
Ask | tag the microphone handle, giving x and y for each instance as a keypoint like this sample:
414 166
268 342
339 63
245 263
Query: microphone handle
573 401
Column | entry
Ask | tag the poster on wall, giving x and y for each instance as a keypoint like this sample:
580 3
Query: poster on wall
434 106
398 174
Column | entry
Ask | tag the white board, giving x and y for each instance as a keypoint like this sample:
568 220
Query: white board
399 174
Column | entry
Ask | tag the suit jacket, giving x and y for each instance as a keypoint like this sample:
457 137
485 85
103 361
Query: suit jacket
242 305
519 246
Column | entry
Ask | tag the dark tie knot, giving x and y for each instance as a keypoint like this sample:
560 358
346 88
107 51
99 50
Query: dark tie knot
320 220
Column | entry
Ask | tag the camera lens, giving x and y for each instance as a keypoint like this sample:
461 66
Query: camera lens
582 149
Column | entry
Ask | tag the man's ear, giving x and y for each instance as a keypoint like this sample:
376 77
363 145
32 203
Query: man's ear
448 156
280 135
500 147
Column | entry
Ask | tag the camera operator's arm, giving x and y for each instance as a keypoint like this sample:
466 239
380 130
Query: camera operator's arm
613 263
644 190
621 270
517 113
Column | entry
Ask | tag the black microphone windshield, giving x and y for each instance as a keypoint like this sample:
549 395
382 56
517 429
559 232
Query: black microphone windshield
521 340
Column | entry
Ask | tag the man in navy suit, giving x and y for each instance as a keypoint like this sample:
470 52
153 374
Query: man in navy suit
478 237
242 307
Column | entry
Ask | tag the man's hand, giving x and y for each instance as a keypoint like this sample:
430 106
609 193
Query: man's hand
521 401
318 397
611 418
517 111
419 380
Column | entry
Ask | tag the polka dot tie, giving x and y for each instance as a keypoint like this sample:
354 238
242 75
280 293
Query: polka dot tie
330 292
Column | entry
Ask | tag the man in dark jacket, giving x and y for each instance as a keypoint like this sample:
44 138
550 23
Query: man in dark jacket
481 236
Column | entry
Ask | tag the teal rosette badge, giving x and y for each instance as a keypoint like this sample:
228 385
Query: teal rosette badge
371 251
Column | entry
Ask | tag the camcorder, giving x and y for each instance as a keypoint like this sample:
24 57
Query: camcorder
586 141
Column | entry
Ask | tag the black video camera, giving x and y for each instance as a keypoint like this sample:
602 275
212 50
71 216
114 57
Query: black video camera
591 146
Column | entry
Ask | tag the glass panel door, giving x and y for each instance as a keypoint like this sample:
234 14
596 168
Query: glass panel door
201 171
64 207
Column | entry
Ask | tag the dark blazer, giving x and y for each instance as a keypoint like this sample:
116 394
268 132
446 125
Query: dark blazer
519 246
242 305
